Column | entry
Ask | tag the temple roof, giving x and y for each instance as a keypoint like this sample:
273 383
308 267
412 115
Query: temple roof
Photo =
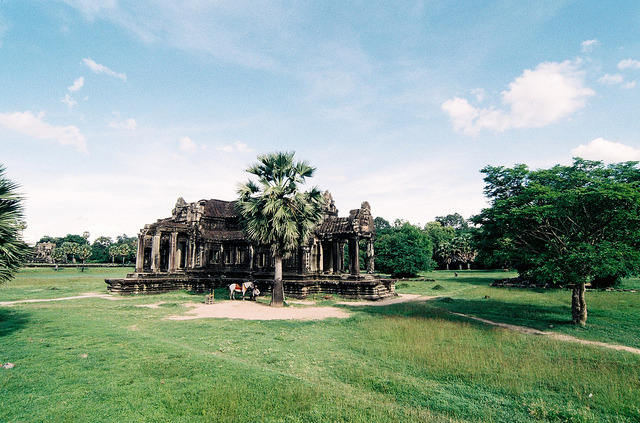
335 225
219 208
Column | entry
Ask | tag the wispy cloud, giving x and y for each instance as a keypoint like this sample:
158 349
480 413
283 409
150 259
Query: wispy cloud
588 45
98 68
236 147
538 97
29 124
608 79
77 84
120 123
69 101
608 151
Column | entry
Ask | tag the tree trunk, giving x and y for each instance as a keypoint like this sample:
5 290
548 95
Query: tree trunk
82 270
447 266
277 294
578 305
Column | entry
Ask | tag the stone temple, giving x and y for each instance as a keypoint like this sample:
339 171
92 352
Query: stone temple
201 247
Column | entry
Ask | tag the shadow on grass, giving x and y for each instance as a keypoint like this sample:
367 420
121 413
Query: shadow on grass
11 321
533 316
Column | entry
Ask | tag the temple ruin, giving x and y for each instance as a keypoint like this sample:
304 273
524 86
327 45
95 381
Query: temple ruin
201 247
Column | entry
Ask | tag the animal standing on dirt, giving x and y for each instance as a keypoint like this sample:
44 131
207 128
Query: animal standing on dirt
244 287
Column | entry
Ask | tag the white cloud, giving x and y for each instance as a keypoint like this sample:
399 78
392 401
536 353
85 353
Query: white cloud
629 64
98 68
608 151
77 84
630 84
29 124
236 147
588 45
608 79
69 101
187 145
461 114
538 97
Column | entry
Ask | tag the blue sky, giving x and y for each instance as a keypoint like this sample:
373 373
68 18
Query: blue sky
111 110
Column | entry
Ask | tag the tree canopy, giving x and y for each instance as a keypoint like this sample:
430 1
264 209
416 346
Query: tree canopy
403 250
566 225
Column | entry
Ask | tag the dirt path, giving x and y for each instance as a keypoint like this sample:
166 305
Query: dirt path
552 335
85 295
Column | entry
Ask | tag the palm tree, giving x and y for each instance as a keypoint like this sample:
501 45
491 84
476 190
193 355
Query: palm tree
275 212
84 252
12 248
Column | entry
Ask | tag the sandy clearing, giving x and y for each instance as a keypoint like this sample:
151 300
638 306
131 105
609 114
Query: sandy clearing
250 310
84 295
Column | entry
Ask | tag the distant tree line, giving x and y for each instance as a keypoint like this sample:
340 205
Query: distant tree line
77 248
403 249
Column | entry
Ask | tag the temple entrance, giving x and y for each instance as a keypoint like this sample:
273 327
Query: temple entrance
146 263
164 254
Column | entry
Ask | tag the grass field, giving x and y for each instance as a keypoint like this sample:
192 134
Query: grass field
98 360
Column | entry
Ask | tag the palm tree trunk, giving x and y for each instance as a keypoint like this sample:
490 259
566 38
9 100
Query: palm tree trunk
277 294
578 304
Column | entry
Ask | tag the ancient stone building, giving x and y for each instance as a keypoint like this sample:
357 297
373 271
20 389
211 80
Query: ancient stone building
201 246
43 252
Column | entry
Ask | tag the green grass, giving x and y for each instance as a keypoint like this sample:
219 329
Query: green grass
98 360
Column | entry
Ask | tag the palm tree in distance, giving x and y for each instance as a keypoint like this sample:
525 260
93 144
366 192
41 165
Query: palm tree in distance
275 212
12 248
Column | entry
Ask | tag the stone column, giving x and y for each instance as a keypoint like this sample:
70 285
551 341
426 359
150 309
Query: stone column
192 253
140 254
340 256
354 256
173 243
335 252
305 259
251 253
155 253
320 257
329 247
370 257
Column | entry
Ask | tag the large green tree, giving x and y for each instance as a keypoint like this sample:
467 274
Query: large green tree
12 248
275 212
403 250
567 225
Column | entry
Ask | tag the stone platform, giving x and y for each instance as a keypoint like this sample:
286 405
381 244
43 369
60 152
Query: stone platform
368 287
